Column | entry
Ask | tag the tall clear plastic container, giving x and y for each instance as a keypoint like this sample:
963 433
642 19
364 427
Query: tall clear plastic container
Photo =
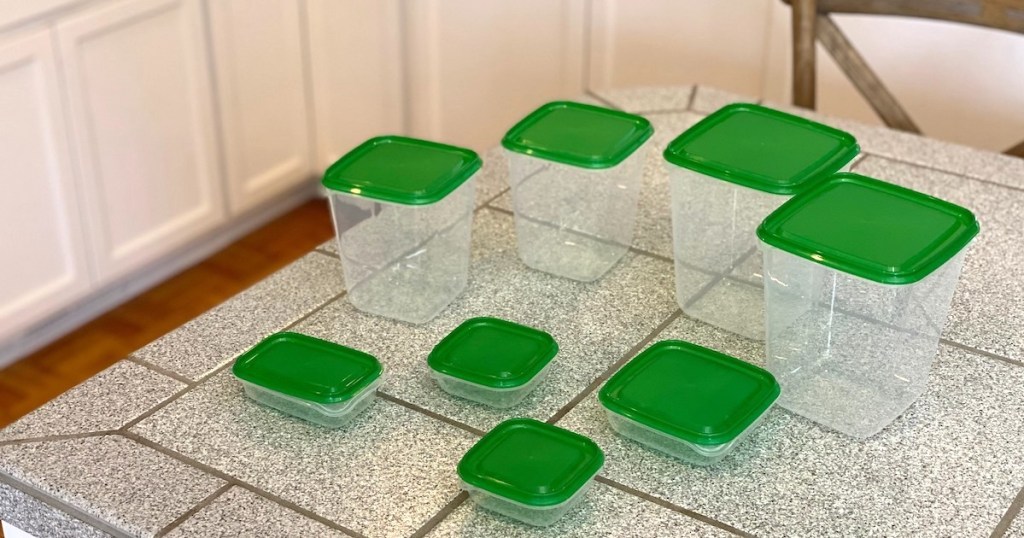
575 172
727 173
403 210
859 277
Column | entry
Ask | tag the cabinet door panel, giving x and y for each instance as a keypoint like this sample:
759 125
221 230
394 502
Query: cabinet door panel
355 58
261 91
43 266
138 86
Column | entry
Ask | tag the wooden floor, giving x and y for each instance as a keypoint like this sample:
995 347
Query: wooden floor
40 377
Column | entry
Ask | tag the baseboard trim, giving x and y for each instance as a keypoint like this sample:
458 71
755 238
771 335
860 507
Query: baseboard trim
110 296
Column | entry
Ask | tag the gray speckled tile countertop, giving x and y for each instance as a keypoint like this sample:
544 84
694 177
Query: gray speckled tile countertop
165 443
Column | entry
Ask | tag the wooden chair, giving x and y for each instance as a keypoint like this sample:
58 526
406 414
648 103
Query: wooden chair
811 21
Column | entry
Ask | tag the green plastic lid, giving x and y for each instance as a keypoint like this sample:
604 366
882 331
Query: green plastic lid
307 368
689 392
402 170
870 228
762 148
531 462
580 135
493 353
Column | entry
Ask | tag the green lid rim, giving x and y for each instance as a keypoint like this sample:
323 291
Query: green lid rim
814 174
333 182
769 232
510 142
594 457
242 365
436 358
768 395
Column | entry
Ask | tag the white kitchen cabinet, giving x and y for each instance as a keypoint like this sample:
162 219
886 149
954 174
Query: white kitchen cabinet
43 262
356 71
261 92
475 68
137 79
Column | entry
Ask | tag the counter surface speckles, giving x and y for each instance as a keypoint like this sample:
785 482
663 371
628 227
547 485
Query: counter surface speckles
165 442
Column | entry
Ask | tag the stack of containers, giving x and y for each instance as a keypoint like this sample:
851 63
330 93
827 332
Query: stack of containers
575 172
860 275
727 173
403 209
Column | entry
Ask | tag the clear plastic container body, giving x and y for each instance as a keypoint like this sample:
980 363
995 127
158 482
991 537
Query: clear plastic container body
714 224
495 397
677 448
850 353
330 416
539 516
405 262
570 221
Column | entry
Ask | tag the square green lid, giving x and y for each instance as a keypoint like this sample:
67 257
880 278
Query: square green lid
870 228
307 368
531 462
580 135
493 353
689 392
402 170
762 148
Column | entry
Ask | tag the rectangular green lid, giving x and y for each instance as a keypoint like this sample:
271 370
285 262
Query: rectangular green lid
690 392
580 135
402 170
870 229
307 368
762 148
493 353
531 462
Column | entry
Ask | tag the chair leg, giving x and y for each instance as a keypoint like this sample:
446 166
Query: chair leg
804 76
861 75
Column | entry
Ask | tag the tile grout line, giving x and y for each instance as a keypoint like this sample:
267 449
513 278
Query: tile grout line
661 111
434 415
671 506
199 381
1011 513
195 464
607 373
158 369
960 175
56 437
982 352
62 506
441 514
194 510
692 98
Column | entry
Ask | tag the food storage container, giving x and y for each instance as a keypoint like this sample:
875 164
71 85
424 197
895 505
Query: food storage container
727 173
690 402
402 210
492 361
312 379
529 470
859 276
575 172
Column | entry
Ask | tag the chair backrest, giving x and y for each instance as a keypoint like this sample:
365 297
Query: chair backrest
811 22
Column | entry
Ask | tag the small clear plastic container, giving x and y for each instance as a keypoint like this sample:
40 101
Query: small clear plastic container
312 379
403 210
859 277
492 361
530 471
687 401
727 173
575 172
